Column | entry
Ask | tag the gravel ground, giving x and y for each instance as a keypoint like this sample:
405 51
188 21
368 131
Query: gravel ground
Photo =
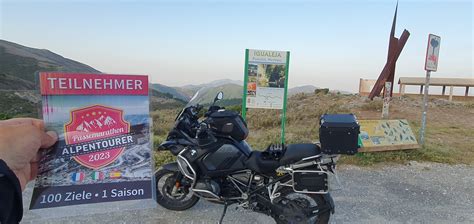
414 193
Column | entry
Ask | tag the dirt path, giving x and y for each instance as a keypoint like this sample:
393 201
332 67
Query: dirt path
416 193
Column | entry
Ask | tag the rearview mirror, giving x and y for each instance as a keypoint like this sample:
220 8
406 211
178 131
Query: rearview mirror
219 96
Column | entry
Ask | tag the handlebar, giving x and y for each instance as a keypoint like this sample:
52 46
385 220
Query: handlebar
202 129
205 135
199 107
195 109
212 109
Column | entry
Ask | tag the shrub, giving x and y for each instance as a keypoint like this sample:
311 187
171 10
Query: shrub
375 105
4 116
321 91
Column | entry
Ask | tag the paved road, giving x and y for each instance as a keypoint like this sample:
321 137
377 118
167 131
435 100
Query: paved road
415 193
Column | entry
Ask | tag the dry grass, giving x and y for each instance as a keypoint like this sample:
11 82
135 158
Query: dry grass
469 105
374 105
449 137
449 133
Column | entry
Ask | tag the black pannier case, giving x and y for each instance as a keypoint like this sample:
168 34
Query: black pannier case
229 123
339 134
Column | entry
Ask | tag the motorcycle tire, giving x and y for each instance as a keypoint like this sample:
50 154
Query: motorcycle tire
323 217
165 199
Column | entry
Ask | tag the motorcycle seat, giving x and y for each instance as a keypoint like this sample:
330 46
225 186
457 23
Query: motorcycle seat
297 152
256 162
259 163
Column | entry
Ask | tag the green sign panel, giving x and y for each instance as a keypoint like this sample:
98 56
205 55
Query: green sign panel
266 81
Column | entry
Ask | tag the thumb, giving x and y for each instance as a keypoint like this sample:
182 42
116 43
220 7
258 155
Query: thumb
48 139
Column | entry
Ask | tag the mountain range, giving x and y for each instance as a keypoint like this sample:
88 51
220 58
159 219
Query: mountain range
173 91
22 62
18 65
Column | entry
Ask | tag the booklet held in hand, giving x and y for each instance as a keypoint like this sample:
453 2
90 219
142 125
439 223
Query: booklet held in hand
104 152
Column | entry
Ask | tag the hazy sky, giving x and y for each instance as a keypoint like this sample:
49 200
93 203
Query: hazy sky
332 43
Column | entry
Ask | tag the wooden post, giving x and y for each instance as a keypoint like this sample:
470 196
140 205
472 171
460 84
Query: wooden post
402 90
444 90
421 89
451 93
386 100
467 91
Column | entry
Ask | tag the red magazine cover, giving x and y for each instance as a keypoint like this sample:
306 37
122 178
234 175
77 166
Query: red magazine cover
103 153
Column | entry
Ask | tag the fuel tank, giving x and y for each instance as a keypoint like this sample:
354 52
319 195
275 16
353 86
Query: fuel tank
228 158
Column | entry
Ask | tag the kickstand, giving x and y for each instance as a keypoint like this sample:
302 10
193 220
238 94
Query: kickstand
223 213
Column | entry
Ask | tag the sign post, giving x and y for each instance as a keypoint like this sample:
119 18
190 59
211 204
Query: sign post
431 64
386 100
266 82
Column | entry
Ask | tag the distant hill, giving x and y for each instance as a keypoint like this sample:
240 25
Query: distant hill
17 104
311 89
185 93
18 64
175 92
191 89
22 62
8 82
231 91
218 82
302 89
159 101
18 95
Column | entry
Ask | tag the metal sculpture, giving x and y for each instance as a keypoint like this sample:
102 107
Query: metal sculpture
395 47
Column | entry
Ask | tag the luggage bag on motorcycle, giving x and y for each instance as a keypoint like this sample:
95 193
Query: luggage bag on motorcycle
229 123
339 134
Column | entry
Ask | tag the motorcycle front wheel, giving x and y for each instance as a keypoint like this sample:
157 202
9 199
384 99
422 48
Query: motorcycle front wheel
171 194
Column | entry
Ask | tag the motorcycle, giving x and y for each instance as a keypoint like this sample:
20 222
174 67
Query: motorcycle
215 163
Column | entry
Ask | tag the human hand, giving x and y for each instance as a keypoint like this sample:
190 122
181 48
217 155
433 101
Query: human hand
20 140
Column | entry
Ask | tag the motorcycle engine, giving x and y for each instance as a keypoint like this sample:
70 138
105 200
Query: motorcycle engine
208 189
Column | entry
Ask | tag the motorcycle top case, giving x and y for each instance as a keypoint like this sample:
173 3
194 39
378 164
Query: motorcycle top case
339 134
229 123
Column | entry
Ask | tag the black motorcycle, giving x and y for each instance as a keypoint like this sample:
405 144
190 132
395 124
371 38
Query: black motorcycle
214 162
